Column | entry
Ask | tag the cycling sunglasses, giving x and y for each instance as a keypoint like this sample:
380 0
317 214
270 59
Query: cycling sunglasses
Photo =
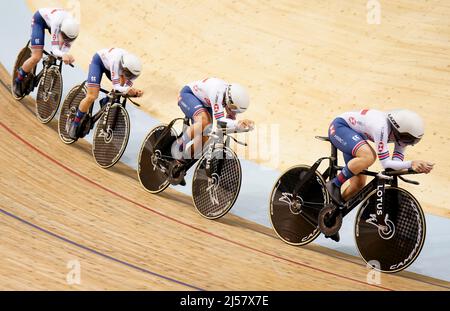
127 74
407 138
66 38
232 106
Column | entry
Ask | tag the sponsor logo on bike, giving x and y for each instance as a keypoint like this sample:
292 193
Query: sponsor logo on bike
380 192
294 204
311 235
385 232
106 135
213 185
105 115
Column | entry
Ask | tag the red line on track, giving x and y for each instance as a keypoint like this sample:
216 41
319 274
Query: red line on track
73 172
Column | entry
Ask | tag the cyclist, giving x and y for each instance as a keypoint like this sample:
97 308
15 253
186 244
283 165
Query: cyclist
203 101
120 67
64 29
350 133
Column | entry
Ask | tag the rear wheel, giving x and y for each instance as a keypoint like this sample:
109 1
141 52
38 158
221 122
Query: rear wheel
151 174
49 94
68 111
23 55
396 245
214 196
295 220
111 137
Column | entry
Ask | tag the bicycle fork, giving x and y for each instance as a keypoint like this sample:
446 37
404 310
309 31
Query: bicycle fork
380 219
214 175
47 90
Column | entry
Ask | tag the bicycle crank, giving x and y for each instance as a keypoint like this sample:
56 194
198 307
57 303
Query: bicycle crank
330 220
176 173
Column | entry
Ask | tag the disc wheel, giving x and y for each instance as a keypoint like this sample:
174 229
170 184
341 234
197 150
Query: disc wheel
150 173
394 245
23 55
295 219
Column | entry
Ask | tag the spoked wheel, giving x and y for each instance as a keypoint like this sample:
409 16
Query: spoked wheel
68 111
150 173
214 196
111 137
393 246
49 94
23 55
295 220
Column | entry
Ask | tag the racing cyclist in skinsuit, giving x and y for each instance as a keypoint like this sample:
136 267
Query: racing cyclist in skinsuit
64 29
350 133
119 66
205 101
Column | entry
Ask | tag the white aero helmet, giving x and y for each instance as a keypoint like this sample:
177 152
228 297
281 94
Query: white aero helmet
408 126
131 65
236 98
70 28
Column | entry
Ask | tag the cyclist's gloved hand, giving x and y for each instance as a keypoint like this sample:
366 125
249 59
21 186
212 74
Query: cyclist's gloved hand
132 92
246 124
68 59
422 166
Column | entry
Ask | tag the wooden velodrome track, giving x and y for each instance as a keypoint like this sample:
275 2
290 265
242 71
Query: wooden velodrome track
56 205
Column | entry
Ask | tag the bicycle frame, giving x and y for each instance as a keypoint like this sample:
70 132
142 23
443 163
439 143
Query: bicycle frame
215 141
105 110
47 63
378 184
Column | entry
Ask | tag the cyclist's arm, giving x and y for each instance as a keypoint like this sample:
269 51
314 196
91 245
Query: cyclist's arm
66 47
55 31
399 153
219 114
381 143
115 79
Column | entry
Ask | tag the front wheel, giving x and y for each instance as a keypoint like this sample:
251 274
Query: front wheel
214 194
111 136
295 219
49 94
394 245
68 111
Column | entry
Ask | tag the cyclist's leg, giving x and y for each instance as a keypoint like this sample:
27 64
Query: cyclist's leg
193 108
365 156
201 122
38 26
96 70
356 183
354 148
